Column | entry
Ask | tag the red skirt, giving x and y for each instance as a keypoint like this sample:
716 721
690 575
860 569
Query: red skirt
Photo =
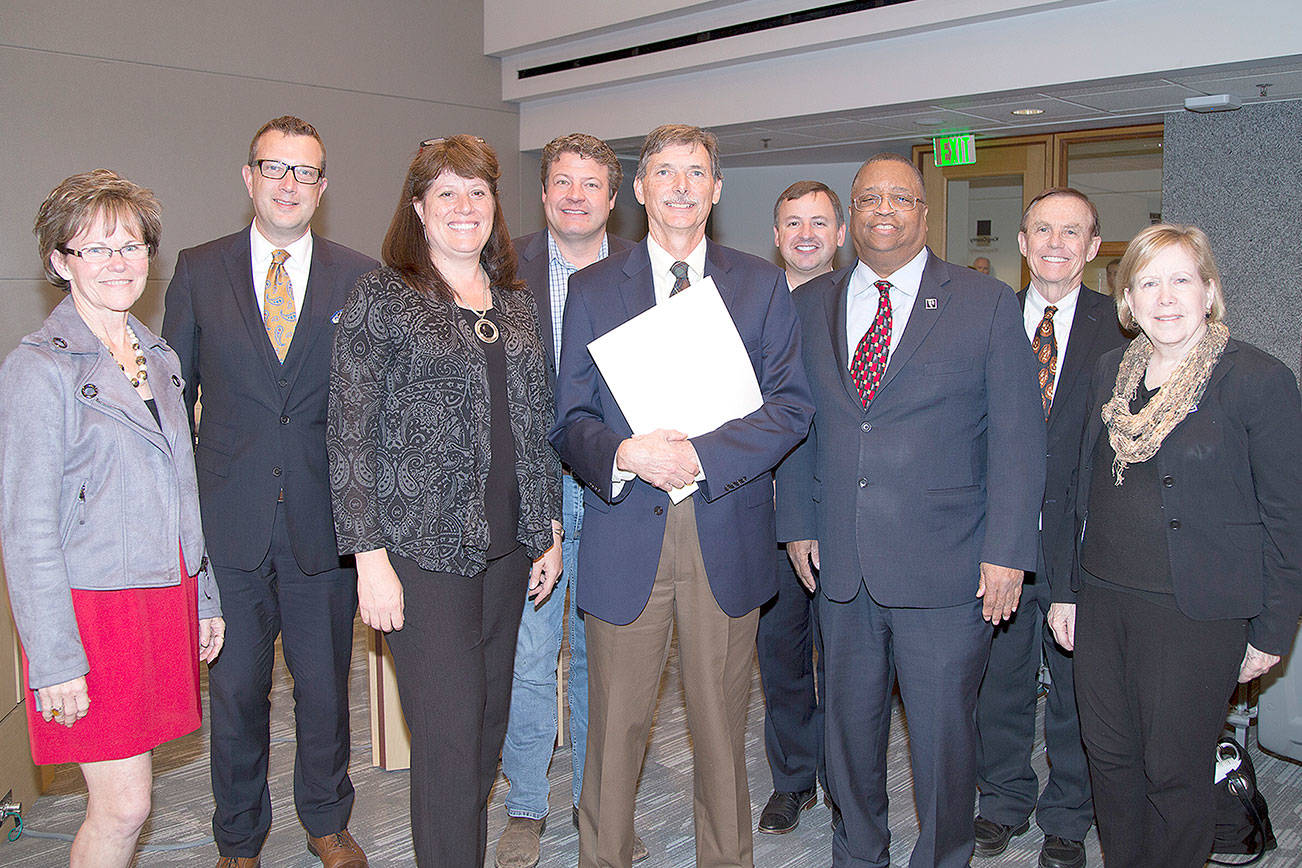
143 649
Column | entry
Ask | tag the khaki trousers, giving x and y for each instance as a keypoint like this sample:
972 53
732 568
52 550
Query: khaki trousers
624 668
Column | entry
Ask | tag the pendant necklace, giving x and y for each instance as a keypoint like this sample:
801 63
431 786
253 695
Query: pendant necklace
484 328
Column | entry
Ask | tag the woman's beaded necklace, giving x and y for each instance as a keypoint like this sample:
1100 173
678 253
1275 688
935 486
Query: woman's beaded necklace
142 364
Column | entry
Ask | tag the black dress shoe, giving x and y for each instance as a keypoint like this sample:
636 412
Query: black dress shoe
782 813
992 838
1062 853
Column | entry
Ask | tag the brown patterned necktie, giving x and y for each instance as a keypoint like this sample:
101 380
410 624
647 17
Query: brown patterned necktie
680 271
278 305
870 356
1045 347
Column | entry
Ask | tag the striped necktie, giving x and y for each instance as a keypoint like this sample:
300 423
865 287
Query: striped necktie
679 270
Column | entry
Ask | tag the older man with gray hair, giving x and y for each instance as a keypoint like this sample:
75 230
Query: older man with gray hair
704 564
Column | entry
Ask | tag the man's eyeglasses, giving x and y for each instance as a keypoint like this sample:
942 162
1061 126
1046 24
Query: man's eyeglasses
275 170
897 202
98 254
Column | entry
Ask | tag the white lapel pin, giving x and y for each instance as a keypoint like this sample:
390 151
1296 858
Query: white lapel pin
335 319
930 303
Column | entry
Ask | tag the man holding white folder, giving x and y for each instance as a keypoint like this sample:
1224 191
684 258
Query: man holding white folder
701 563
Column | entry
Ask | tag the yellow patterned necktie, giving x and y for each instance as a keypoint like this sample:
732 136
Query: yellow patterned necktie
278 310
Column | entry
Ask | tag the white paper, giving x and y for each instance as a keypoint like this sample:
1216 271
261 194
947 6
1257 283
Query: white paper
679 365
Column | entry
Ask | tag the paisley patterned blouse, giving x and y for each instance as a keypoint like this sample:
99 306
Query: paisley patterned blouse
408 426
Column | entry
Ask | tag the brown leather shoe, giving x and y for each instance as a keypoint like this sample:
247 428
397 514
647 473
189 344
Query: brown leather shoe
239 862
520 846
337 851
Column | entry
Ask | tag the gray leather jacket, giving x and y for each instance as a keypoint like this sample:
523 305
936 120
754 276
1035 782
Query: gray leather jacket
92 494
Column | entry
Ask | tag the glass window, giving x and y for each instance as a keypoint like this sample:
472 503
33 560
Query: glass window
1123 177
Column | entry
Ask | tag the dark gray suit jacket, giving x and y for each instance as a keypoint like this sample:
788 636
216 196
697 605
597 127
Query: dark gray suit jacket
263 423
945 469
1094 330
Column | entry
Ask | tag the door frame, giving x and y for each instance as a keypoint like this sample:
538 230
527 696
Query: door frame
1041 160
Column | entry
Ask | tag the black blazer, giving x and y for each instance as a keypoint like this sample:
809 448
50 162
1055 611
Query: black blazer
1094 330
944 470
1231 494
531 252
262 426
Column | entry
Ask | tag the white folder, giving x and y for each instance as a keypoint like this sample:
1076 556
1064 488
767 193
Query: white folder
679 365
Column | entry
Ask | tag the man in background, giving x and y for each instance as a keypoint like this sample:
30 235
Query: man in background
580 179
1069 327
808 229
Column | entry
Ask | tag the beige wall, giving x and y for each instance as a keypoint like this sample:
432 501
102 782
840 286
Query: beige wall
170 93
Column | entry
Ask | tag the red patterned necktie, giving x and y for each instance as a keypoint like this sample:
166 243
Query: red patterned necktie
278 311
870 356
1045 347
679 270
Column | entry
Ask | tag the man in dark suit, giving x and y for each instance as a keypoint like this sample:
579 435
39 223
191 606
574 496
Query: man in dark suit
1070 326
704 564
580 178
808 229
252 318
915 496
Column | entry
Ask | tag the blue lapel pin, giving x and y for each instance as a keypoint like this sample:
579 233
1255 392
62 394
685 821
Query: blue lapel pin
335 319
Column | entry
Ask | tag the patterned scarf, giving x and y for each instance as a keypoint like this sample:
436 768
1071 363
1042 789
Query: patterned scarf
1136 437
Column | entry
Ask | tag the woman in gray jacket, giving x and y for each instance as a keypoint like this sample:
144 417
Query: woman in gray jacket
99 516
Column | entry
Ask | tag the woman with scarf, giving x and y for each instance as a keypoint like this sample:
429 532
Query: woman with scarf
1189 504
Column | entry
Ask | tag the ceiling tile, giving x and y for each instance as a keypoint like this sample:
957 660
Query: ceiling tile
1164 95
1001 111
1284 84
944 121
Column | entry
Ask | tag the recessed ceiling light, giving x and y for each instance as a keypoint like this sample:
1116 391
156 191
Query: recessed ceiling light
1027 112
929 122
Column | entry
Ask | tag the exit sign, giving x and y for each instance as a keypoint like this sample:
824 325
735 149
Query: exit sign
954 150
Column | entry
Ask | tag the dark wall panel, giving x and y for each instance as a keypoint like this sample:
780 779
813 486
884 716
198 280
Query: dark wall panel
1238 175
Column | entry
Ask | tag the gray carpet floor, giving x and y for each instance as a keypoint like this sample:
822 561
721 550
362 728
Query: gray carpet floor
183 801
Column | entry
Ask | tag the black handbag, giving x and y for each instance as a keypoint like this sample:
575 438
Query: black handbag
1242 819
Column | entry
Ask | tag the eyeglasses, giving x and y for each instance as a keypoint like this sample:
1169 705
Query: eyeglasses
98 254
275 170
897 201
441 139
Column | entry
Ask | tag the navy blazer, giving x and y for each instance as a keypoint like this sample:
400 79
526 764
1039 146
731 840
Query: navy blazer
1095 329
1231 494
944 470
533 269
623 534
263 424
